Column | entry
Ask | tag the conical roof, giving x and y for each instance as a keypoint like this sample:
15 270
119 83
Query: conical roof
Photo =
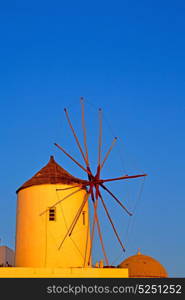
143 266
52 173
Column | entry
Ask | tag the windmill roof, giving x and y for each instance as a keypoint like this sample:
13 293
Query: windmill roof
52 173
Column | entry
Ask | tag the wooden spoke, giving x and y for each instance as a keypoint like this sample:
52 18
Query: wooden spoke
108 152
84 131
69 231
100 137
102 244
105 188
56 203
109 217
122 177
93 227
69 188
100 236
75 136
96 221
87 241
82 206
74 160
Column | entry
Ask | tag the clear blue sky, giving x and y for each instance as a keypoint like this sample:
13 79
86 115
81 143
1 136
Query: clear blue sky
127 57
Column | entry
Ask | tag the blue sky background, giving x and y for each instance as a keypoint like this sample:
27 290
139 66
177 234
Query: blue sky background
125 56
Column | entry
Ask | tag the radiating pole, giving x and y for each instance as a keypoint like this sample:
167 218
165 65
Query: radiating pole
84 131
117 200
100 137
93 225
108 152
75 136
73 159
69 188
56 203
73 222
109 217
101 240
82 206
87 241
121 178
96 221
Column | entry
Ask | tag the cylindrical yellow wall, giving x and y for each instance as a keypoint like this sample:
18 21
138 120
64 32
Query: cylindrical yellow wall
38 239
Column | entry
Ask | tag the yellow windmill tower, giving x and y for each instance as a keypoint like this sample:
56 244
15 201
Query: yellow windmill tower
42 226
52 211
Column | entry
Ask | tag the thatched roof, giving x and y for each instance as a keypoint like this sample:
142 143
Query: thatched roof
52 173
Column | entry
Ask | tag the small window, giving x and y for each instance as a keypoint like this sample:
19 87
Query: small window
52 214
83 216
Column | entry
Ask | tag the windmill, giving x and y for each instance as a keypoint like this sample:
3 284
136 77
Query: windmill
94 184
